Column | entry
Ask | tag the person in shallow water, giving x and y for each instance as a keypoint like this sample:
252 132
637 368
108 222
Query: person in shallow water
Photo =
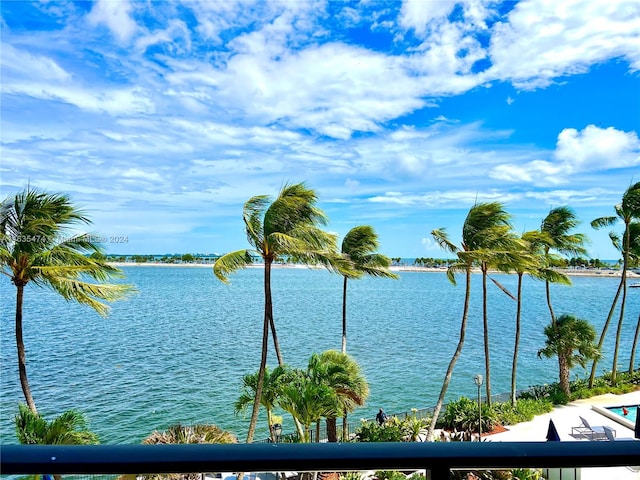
381 417
625 412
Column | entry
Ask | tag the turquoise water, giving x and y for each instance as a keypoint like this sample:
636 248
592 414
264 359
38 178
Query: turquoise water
177 350
631 409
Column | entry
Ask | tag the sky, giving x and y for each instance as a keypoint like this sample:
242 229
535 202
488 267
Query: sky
161 118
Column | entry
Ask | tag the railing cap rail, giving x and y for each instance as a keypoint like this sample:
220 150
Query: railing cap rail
128 459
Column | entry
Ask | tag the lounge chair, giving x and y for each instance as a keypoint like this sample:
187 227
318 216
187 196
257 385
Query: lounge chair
587 431
610 433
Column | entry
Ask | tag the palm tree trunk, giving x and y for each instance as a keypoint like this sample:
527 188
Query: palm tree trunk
548 294
332 430
564 373
263 360
345 423
454 359
616 349
485 325
22 358
623 302
276 344
344 316
633 348
517 341
269 309
592 377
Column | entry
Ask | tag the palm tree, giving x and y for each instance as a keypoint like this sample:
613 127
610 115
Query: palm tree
571 339
475 227
627 211
526 261
496 244
634 254
307 401
555 236
342 374
359 248
37 246
288 226
270 393
70 428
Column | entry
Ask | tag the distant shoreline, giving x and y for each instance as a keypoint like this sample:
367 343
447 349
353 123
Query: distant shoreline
394 268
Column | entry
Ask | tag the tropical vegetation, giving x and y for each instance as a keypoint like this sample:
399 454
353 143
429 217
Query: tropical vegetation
571 340
331 384
288 226
69 428
629 245
38 245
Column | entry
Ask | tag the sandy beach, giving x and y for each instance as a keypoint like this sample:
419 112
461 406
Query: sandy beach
395 268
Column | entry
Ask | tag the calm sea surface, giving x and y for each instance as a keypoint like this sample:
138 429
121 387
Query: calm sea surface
177 350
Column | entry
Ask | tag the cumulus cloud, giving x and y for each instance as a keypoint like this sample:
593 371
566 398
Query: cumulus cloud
116 15
543 40
589 150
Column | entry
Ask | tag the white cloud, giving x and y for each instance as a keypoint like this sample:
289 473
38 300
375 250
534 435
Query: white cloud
115 14
590 150
418 14
597 148
23 64
546 39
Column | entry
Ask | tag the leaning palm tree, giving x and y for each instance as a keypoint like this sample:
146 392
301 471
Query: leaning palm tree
342 374
70 428
359 247
627 211
556 237
495 247
571 339
287 226
475 227
526 260
634 254
38 246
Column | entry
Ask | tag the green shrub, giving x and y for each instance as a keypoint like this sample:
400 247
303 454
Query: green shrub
390 475
351 476
390 431
462 414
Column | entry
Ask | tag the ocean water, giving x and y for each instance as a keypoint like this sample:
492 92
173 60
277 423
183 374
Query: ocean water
177 350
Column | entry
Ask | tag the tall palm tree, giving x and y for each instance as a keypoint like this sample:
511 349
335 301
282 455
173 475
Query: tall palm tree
70 428
475 227
287 226
359 246
571 339
634 254
37 246
526 261
496 244
556 237
627 211
342 374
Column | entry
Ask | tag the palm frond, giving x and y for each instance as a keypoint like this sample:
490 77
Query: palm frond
441 237
604 222
231 262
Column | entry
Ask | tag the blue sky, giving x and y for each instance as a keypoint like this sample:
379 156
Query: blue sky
162 118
